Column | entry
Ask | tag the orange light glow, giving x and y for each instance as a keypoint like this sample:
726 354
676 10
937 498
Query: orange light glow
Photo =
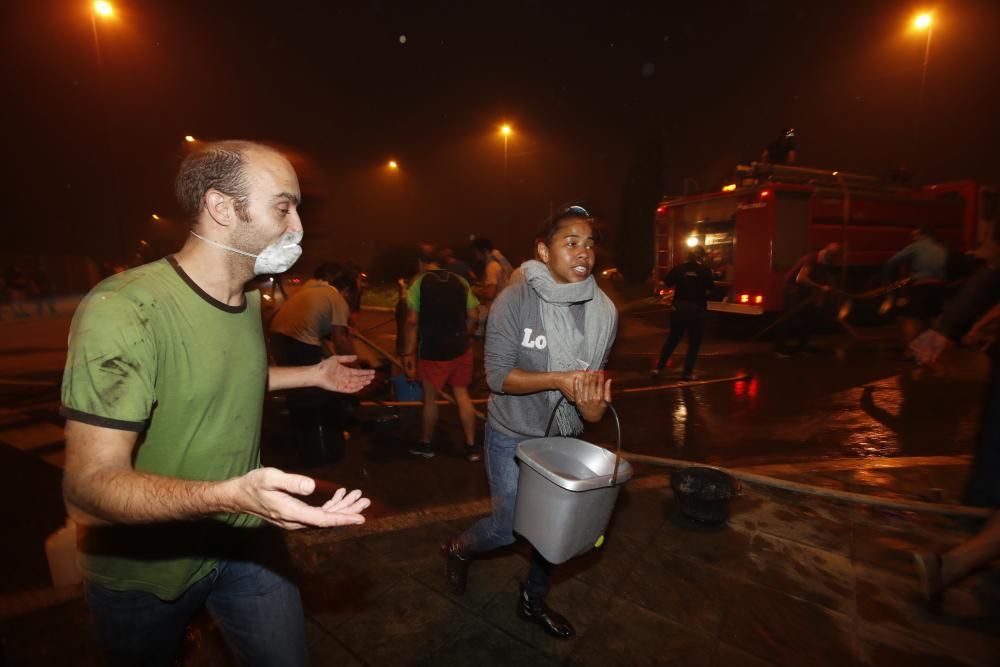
758 299
764 194
729 187
923 21
505 130
744 298
103 8
393 164
188 138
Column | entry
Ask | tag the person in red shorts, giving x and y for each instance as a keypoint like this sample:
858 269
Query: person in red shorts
443 312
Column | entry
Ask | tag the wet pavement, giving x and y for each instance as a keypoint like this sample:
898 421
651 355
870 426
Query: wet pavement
791 577
789 580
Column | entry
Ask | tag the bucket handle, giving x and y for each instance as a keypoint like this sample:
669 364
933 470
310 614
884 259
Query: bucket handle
618 427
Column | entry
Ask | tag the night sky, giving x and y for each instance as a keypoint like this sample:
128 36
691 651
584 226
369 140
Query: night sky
346 85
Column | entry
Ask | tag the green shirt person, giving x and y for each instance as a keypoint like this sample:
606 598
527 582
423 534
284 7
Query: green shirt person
162 393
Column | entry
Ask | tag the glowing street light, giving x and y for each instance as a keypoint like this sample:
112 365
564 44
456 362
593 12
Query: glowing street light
393 165
155 217
103 9
188 138
505 132
692 241
924 21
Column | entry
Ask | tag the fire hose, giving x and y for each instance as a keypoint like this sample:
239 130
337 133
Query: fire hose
823 492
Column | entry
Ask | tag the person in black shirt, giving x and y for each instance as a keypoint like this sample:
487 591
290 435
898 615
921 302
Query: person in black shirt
806 286
783 150
692 283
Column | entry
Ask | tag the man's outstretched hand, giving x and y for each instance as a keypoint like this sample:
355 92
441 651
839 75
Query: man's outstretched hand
333 374
270 493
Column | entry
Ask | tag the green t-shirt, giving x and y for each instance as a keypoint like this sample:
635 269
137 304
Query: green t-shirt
150 352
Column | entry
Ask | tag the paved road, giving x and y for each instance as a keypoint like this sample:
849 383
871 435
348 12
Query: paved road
856 399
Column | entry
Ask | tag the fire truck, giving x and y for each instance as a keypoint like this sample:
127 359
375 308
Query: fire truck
754 230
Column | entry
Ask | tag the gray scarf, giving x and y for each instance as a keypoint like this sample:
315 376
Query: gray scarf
569 348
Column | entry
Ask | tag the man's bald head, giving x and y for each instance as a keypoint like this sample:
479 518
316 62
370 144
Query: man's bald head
220 165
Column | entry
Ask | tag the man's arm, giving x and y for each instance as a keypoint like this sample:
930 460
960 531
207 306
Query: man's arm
410 347
331 374
973 301
804 277
342 342
893 262
100 486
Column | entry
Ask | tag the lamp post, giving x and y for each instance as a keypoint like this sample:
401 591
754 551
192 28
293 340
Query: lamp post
923 22
505 132
105 10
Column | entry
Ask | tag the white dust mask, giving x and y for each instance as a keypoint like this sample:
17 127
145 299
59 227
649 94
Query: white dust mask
275 258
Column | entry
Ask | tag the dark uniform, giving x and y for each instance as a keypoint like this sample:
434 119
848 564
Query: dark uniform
802 303
692 282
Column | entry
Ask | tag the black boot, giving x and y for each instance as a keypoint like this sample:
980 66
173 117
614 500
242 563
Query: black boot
458 567
535 609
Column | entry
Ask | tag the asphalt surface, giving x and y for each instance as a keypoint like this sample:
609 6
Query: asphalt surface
851 398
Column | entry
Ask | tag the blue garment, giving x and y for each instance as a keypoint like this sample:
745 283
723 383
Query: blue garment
928 260
259 613
497 529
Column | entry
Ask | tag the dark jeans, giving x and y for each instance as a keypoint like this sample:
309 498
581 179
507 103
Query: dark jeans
318 417
687 318
258 611
798 321
497 530
983 487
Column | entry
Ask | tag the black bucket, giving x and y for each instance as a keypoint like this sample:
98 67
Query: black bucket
703 494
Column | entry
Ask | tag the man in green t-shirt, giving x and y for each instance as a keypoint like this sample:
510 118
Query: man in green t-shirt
162 393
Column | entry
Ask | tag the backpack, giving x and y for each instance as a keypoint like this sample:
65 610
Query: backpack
442 318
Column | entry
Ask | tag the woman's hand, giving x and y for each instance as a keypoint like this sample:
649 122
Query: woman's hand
593 393
566 382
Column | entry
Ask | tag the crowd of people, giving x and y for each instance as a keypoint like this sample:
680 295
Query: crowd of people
167 371
164 385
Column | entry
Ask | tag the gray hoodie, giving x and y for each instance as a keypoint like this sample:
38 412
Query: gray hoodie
515 338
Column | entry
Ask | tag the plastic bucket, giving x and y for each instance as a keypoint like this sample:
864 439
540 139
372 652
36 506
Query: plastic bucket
566 491
406 390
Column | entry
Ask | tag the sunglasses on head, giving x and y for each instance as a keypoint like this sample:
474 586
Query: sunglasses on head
574 212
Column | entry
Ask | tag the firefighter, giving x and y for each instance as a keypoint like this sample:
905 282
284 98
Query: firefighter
927 261
806 287
783 150
693 284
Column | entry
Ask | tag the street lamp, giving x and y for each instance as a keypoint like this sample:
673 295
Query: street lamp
155 217
393 165
505 132
188 138
923 21
105 11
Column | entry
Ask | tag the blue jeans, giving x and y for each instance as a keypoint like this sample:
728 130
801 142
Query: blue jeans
259 613
497 529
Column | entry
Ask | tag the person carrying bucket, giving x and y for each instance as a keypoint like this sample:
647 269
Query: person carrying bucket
548 337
